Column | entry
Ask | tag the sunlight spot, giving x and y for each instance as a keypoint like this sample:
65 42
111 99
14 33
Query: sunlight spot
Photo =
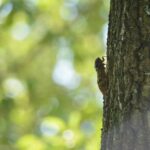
1 1
51 126
5 11
13 87
49 129
68 135
99 97
104 34
20 31
64 74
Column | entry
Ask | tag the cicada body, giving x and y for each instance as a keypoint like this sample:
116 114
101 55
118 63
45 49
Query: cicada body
102 78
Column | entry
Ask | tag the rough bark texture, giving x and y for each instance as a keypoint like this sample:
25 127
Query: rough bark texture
126 118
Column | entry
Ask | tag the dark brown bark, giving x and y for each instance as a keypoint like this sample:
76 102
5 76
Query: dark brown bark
126 118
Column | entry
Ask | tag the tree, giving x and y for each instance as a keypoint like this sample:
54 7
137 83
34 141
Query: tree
126 117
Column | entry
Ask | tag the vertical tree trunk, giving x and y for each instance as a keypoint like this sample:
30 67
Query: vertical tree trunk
126 118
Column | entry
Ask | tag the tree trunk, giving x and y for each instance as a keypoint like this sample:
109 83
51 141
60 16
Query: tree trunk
126 112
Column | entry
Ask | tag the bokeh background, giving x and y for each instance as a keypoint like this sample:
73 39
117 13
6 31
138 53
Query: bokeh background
49 99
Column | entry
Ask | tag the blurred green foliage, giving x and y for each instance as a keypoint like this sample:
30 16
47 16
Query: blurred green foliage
49 98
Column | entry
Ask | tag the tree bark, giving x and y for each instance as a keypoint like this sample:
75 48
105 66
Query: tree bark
126 111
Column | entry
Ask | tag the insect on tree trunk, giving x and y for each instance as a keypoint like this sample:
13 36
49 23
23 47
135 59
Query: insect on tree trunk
126 111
